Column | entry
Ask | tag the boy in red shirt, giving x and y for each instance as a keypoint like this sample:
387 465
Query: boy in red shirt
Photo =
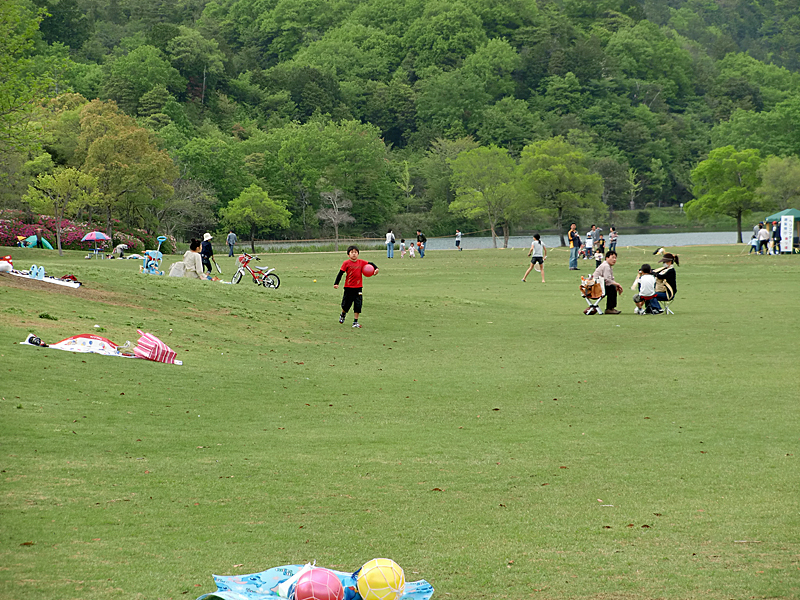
352 284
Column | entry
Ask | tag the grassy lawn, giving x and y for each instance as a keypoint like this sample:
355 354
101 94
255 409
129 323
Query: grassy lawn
480 431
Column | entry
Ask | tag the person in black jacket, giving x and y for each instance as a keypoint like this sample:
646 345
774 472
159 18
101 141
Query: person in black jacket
421 241
666 281
207 252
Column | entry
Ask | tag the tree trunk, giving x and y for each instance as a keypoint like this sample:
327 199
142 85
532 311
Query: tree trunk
253 239
739 227
560 228
505 235
58 234
336 234
494 236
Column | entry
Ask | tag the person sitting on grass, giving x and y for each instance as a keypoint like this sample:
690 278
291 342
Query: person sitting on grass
193 262
606 272
353 286
645 286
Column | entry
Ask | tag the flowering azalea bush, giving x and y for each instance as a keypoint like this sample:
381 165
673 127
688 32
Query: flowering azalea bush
13 224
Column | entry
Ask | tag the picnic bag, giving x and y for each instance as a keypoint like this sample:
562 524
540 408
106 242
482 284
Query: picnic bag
150 347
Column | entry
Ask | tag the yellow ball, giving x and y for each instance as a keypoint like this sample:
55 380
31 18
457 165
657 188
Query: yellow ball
381 579
315 281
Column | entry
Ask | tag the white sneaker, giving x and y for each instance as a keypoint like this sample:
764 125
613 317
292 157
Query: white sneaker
638 311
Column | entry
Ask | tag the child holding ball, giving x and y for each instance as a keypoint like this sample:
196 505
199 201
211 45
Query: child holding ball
353 287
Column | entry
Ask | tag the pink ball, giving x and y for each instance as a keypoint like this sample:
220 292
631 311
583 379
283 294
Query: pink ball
318 584
368 270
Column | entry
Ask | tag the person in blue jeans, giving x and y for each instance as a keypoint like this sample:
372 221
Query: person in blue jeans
421 243
389 244
574 246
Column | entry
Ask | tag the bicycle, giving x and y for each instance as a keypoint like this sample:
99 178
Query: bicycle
261 276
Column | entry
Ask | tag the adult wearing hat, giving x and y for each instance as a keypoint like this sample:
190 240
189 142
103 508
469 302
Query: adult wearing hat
666 281
207 252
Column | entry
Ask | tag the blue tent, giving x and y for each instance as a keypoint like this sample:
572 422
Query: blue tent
30 242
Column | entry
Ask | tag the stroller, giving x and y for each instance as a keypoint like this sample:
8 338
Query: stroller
151 263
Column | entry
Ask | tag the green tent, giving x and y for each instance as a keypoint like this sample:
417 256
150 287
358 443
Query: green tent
31 242
789 211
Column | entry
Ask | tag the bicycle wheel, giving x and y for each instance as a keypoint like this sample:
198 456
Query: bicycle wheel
271 281
237 277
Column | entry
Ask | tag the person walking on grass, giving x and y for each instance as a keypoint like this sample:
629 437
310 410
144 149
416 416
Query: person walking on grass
458 239
353 286
574 246
231 241
612 239
538 254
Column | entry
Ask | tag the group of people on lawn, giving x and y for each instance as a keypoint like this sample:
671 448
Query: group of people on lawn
652 286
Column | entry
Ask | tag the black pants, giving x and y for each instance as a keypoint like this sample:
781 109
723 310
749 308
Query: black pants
352 297
611 297
207 263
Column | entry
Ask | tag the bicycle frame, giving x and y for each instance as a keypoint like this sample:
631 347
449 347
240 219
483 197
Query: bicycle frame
266 276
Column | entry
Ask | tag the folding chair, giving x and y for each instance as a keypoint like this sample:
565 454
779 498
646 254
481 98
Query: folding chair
593 291
666 304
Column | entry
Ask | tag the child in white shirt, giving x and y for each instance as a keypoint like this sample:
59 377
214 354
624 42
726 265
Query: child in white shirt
411 250
402 247
646 283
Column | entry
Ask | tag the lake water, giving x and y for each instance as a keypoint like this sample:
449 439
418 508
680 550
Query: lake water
668 239
656 238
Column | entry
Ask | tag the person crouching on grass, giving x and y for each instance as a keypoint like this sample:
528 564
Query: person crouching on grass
352 284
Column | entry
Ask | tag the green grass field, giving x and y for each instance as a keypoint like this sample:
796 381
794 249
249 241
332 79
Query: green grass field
480 431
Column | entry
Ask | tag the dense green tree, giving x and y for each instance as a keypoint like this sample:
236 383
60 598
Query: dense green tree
198 59
780 181
556 175
437 170
216 161
254 211
772 132
133 174
131 76
65 22
449 104
725 184
444 35
510 124
353 51
19 88
487 188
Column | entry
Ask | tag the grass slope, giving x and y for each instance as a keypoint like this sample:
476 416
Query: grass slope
480 431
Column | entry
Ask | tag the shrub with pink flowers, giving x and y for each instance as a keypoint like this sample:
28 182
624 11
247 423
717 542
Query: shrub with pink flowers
13 224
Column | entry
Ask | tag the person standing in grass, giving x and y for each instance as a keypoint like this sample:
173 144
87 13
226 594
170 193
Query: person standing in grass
353 286
574 246
606 272
612 239
207 252
402 247
538 253
389 244
421 241
231 241
458 239
763 240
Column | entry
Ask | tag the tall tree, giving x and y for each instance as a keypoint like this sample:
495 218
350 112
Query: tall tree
254 211
725 184
486 188
557 176
334 211
20 89
59 193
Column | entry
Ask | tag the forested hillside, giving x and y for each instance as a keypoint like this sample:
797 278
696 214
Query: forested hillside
421 113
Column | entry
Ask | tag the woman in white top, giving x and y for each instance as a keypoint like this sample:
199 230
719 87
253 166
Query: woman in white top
192 264
538 253
389 244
